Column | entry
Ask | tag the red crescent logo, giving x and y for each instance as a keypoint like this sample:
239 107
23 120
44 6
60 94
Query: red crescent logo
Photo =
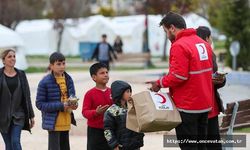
203 49
163 98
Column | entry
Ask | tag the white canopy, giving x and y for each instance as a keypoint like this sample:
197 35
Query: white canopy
9 38
130 29
194 21
87 30
39 36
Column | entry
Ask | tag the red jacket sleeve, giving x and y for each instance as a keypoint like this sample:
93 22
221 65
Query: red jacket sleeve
178 67
87 111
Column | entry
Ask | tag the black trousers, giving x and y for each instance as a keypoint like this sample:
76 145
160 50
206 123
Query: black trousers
59 140
213 133
96 139
192 129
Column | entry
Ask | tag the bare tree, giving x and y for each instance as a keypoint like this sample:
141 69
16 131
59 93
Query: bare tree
62 9
13 11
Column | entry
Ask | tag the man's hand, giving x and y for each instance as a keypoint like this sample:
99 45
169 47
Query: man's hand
154 86
101 109
218 80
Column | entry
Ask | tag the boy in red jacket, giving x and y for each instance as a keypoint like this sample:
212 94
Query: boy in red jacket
95 103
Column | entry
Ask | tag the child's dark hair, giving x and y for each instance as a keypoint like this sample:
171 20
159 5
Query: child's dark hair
203 32
56 56
95 67
104 35
175 19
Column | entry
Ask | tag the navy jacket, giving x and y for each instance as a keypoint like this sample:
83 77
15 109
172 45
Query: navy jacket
110 54
48 100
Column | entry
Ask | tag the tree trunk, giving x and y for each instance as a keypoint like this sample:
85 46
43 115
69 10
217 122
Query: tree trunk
164 57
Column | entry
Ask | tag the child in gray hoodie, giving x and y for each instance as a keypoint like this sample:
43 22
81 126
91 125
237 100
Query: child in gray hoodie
115 131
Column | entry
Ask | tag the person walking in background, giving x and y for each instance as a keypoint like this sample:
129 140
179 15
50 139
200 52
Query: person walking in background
115 131
16 112
217 106
52 97
189 80
95 103
118 45
104 52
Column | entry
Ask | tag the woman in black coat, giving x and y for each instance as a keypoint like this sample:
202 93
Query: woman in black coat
16 112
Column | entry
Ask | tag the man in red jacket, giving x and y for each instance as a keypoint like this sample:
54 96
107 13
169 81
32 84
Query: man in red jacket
189 80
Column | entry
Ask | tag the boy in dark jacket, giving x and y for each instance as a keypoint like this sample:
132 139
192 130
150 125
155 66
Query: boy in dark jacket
53 93
104 52
115 131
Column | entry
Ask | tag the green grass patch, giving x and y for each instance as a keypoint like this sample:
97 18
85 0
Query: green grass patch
121 68
35 69
43 69
243 130
45 58
219 45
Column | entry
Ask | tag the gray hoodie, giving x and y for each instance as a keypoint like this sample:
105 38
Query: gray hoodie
118 87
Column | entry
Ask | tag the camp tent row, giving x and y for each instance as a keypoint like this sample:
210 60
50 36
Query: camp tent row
40 38
10 39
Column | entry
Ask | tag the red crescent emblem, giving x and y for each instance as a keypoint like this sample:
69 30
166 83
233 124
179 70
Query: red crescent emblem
203 49
163 98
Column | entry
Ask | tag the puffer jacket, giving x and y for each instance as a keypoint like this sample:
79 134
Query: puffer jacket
48 100
115 130
26 101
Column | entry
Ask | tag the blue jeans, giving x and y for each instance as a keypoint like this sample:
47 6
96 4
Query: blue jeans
12 138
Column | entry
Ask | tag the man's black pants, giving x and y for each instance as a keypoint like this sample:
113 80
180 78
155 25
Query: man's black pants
192 129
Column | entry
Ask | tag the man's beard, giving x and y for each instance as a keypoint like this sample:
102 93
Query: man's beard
171 37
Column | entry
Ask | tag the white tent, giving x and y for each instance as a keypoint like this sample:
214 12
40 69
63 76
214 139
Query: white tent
156 36
86 30
39 36
194 21
130 29
10 39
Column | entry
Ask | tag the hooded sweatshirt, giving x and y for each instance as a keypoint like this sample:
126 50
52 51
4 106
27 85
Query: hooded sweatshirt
117 89
115 130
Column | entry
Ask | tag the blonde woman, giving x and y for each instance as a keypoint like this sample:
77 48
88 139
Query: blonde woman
16 112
